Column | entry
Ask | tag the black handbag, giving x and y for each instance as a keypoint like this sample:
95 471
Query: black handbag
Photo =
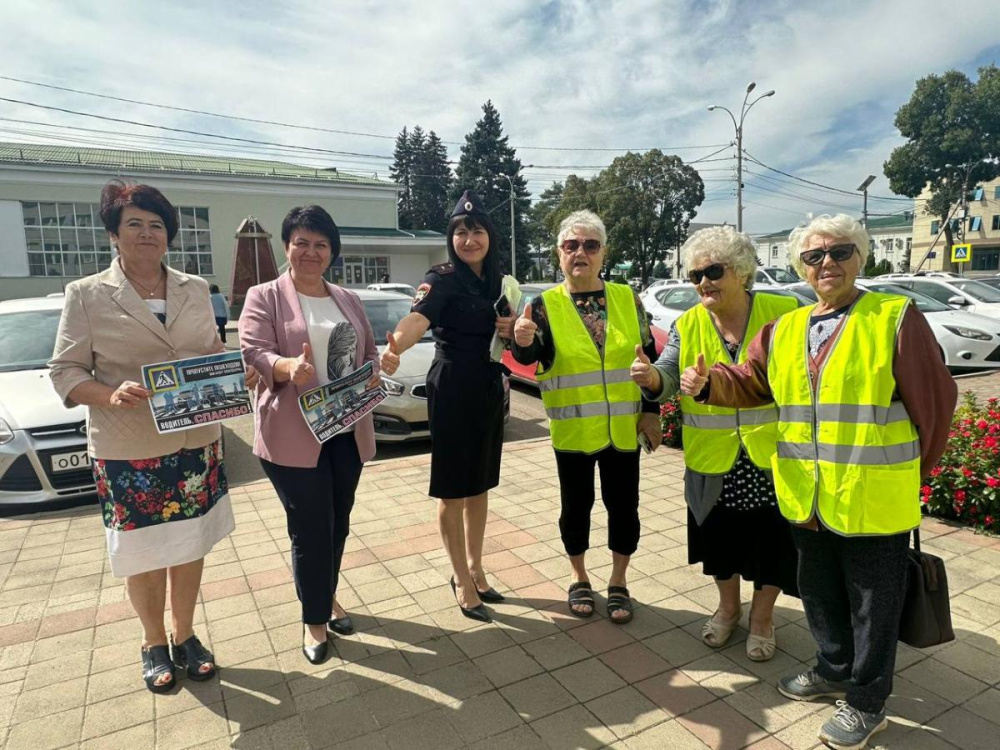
926 618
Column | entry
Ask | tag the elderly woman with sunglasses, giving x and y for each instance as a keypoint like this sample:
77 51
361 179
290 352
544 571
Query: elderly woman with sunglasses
734 528
864 409
583 334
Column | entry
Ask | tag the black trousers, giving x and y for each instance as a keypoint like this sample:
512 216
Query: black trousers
619 490
318 505
221 324
852 589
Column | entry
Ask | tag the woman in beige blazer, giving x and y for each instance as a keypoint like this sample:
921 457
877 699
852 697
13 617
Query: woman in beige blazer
164 497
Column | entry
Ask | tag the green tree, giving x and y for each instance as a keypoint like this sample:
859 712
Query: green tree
952 127
660 270
883 266
401 172
486 159
647 202
432 182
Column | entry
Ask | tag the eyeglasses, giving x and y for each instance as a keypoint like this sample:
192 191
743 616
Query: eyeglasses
590 247
839 253
713 272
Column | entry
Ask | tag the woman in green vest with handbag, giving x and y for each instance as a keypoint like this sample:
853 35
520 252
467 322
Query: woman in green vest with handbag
734 527
584 334
865 406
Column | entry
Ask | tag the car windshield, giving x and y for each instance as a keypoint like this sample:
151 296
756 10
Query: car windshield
27 339
976 290
384 315
781 276
678 299
924 303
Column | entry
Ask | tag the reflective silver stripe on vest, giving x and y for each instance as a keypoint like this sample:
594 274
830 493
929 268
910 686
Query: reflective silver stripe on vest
710 421
758 416
600 409
870 455
848 413
580 380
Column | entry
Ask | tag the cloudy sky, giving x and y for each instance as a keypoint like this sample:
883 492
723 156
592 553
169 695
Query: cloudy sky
576 82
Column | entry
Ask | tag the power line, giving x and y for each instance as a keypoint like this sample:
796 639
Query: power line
755 160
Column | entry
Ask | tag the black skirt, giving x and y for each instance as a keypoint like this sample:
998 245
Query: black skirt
745 534
465 409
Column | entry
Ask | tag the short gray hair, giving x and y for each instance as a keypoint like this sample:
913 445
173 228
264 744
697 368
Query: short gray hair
839 227
722 245
582 220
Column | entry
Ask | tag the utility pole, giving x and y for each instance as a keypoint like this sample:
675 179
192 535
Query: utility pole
513 241
738 125
863 188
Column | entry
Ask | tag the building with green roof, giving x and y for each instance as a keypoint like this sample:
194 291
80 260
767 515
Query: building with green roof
50 231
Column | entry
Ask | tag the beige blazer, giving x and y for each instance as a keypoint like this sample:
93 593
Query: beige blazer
107 333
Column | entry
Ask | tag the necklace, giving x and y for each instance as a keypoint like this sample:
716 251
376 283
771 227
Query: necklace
149 292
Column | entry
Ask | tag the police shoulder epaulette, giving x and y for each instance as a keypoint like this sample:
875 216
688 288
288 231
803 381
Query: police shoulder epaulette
443 268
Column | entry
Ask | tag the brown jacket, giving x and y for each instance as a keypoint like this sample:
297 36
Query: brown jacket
107 333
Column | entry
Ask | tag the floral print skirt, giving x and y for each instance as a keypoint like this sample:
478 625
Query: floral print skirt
163 511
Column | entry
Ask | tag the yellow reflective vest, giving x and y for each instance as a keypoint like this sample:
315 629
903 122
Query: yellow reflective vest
712 435
589 397
846 450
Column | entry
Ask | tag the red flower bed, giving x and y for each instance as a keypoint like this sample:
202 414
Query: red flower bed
670 421
965 485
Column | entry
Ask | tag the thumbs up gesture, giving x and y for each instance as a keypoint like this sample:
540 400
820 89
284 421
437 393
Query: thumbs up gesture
301 368
389 361
525 328
693 379
643 373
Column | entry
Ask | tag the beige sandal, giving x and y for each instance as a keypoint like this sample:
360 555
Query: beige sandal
716 633
761 648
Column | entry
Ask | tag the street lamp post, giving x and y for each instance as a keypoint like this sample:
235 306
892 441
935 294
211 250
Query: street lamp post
513 254
863 188
738 125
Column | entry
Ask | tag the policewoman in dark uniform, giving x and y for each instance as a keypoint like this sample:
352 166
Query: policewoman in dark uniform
464 391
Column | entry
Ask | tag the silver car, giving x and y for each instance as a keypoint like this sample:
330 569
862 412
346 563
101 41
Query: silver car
43 445
403 416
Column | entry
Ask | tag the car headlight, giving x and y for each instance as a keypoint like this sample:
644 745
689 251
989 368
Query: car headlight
970 333
392 387
6 433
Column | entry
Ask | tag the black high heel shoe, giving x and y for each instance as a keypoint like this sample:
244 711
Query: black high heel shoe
479 612
342 625
314 654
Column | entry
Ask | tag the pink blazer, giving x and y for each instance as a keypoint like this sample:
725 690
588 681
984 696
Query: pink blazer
271 327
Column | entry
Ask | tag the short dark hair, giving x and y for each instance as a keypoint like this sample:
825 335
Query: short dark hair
314 219
118 194
214 289
491 263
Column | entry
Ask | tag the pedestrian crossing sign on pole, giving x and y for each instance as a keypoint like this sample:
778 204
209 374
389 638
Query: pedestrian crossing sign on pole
961 253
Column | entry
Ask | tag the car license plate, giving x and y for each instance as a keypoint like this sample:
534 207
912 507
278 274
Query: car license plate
70 461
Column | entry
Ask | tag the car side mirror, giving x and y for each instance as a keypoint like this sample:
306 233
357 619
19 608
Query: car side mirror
958 300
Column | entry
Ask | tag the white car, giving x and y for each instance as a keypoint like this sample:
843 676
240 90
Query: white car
958 293
43 445
403 415
406 289
660 283
665 304
966 340
774 276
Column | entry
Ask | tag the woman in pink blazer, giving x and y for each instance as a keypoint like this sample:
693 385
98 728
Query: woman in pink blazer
301 332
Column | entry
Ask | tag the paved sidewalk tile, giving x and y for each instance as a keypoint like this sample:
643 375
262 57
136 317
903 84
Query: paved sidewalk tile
419 675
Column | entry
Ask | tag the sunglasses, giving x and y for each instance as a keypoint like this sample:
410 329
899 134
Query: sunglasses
839 253
713 272
590 247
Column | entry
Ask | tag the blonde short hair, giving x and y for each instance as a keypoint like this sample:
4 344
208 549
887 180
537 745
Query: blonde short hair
582 220
722 245
839 227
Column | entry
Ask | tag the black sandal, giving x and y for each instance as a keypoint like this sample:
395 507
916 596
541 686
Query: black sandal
156 662
619 601
194 656
580 593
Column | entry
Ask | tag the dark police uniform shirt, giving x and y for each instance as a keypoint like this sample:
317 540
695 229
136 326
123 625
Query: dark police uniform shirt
460 310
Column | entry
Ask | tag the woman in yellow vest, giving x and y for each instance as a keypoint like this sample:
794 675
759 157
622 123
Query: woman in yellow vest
584 334
865 406
735 529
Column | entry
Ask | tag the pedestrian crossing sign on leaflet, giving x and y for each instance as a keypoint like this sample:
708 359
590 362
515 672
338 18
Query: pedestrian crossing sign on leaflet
961 253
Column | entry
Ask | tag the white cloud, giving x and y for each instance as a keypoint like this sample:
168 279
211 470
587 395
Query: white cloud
580 73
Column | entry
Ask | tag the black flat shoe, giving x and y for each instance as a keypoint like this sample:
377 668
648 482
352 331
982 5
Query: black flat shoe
191 655
314 654
342 625
479 612
156 662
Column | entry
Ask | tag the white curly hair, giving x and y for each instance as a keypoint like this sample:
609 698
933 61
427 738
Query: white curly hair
840 227
722 245
582 220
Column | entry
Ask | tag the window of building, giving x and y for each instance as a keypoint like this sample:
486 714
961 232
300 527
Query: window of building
975 223
935 227
774 251
986 261
358 270
955 224
996 222
996 192
68 239
978 194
